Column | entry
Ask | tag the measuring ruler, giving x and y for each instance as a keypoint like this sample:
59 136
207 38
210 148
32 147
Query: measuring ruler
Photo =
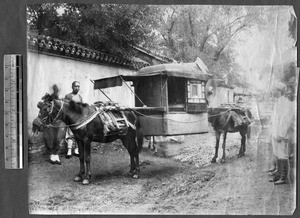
13 128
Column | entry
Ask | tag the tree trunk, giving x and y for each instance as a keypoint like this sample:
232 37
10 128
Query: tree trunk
192 36
218 53
202 45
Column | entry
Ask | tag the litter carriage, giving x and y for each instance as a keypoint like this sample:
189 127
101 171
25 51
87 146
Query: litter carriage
173 99
170 99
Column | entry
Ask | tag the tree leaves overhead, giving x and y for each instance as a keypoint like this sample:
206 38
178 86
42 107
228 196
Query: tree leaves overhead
181 32
111 28
206 28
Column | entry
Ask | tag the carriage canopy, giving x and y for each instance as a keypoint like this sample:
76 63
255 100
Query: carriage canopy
183 70
178 88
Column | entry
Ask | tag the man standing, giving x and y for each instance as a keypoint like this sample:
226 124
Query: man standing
52 137
283 122
73 96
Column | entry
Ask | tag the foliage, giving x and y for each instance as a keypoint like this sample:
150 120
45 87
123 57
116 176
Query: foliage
181 32
208 32
109 27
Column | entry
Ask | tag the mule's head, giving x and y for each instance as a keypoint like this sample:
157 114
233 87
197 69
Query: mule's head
46 106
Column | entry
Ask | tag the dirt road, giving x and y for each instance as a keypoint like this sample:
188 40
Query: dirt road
185 183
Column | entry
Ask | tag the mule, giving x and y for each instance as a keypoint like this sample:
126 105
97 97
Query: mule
224 123
73 113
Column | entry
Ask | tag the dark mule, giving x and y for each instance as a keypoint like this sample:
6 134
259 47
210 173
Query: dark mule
223 122
72 113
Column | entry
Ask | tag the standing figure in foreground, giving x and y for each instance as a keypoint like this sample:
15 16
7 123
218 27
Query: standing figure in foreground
53 135
73 96
282 132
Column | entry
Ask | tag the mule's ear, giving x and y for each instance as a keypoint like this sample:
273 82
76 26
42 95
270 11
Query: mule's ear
46 96
56 90
39 105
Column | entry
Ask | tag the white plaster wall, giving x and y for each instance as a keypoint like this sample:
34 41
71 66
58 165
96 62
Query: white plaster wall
45 70
222 97
231 96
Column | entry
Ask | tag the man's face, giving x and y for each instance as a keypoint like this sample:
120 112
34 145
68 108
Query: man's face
76 88
290 93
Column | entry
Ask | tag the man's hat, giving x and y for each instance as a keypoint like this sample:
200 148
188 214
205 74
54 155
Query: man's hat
279 86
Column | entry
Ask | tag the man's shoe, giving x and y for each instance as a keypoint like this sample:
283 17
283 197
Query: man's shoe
52 159
57 160
69 154
273 173
276 175
283 174
76 152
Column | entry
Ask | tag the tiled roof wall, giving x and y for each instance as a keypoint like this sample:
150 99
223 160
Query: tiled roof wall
46 44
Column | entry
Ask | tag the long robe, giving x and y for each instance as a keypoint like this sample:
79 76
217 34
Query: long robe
282 126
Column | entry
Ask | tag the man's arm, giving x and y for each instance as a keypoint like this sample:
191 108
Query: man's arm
80 98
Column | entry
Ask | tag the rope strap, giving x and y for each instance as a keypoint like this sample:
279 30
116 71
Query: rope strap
85 122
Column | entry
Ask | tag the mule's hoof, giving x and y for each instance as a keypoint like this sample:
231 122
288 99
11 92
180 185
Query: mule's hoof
135 176
240 155
213 160
222 161
77 179
85 182
129 174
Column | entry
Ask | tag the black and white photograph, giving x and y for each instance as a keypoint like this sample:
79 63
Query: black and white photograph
161 109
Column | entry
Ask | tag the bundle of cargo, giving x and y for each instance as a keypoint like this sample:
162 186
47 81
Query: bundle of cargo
239 114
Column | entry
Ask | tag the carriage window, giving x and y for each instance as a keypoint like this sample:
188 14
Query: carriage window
176 93
196 91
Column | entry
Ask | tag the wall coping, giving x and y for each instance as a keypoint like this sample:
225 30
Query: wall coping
56 47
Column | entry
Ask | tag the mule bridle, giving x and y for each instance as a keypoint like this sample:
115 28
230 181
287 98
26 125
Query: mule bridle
49 115
73 126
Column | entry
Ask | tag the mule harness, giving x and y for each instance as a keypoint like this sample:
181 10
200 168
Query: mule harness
80 124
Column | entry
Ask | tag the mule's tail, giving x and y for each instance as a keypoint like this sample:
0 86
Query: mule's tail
249 115
248 132
139 134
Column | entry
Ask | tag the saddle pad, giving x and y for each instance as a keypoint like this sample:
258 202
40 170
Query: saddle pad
237 113
114 122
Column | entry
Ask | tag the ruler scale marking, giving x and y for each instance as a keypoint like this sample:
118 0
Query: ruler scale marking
13 128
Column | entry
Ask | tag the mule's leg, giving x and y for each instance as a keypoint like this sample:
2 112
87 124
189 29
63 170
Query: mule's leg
56 146
87 158
218 134
150 142
137 162
154 147
151 145
132 163
129 149
243 144
78 178
49 139
224 146
133 151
